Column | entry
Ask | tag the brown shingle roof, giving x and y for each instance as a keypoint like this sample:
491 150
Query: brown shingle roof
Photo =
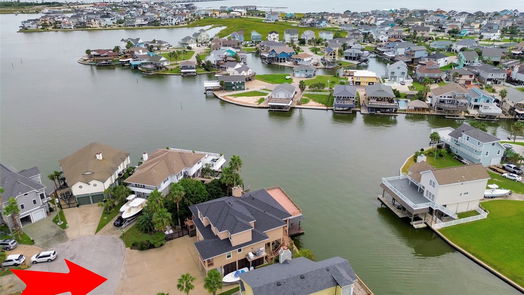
161 164
451 87
451 174
84 166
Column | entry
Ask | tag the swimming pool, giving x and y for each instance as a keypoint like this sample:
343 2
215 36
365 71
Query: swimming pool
403 104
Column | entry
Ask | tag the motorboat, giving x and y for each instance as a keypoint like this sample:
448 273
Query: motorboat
129 199
494 191
134 208
234 277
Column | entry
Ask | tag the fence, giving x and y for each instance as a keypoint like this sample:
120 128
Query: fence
482 214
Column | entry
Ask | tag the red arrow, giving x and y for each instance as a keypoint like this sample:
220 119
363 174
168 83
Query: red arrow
78 281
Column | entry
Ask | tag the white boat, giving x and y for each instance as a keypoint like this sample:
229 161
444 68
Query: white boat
234 277
494 191
134 208
129 199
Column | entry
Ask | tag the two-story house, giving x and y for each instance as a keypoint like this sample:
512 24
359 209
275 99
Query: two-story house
397 72
344 98
472 144
281 98
246 231
92 169
166 166
462 76
448 98
427 194
291 36
27 188
485 104
468 58
380 99
273 36
489 74
291 276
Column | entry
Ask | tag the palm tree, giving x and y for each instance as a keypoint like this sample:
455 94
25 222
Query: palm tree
161 219
177 194
516 129
213 281
503 93
12 209
434 139
235 163
154 202
185 283
55 178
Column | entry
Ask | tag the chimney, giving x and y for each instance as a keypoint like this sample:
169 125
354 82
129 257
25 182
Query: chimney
284 255
237 191
99 156
145 156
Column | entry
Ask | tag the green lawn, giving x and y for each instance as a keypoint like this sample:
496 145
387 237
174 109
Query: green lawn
304 100
448 67
62 218
417 86
514 186
274 78
248 24
261 100
369 48
467 214
325 99
447 160
516 142
249 49
107 217
21 238
250 94
182 55
230 292
521 89
497 240
325 79
133 234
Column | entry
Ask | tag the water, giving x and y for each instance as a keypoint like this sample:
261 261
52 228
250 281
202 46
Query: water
331 164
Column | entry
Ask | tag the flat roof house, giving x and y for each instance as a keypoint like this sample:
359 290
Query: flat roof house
27 188
430 195
380 99
300 276
166 166
92 169
344 98
281 98
246 231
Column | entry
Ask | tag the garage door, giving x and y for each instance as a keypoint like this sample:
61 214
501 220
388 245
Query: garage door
38 215
85 200
97 198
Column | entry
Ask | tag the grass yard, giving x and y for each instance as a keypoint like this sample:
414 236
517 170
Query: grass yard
274 78
248 24
180 56
62 218
511 142
497 240
230 292
467 214
447 160
521 89
249 49
250 94
514 186
325 79
416 86
107 217
325 99
134 235
448 67
304 100
261 100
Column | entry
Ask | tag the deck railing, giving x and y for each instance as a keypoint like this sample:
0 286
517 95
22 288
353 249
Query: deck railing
482 214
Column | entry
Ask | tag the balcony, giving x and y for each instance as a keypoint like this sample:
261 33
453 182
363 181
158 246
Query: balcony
254 255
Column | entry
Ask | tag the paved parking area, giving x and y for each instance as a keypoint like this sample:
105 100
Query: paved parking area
10 284
82 220
46 233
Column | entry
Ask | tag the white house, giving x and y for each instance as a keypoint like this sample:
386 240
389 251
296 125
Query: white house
273 36
166 166
92 169
397 72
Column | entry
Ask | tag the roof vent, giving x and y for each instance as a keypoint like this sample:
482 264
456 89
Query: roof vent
302 276
279 284
145 156
99 156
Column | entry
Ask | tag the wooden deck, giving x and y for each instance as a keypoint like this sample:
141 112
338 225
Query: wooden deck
392 207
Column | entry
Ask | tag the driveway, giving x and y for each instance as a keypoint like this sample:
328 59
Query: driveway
82 220
46 233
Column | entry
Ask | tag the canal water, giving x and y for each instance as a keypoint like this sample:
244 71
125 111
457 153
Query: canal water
331 164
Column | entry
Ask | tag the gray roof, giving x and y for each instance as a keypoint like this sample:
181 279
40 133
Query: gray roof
232 78
470 55
493 52
436 55
283 90
379 90
514 95
291 31
467 42
474 133
345 91
17 183
300 276
234 215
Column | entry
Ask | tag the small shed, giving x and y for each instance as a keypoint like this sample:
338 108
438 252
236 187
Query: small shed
417 105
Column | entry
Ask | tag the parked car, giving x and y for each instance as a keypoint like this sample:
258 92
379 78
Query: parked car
512 176
8 244
512 169
14 260
507 146
45 256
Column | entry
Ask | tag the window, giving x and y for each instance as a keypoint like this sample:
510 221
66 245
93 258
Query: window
465 194
80 186
42 196
487 153
229 255
34 202
22 206
498 152
239 250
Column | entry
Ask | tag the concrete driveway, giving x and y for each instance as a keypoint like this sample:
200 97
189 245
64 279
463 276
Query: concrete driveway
82 220
46 233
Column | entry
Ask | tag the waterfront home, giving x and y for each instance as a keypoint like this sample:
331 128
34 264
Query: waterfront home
188 68
492 54
131 42
102 55
440 45
464 43
241 70
353 54
417 52
380 99
441 59
430 70
304 71
517 74
232 83
256 37
219 56
486 105
271 17
448 98
155 45
360 77
273 36
202 37
291 36
428 195
29 192
468 58
472 145
302 58
218 43
245 231
188 41
344 98
397 72
296 276
281 98
308 35
326 35
93 169
278 54
462 76
513 103
166 166
489 74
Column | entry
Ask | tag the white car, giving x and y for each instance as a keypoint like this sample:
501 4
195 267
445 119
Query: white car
14 260
512 176
46 256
